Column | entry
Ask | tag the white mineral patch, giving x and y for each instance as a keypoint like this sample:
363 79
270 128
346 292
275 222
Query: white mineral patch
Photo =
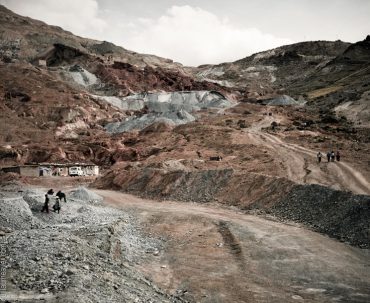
224 83
84 78
214 71
265 55
123 103
67 129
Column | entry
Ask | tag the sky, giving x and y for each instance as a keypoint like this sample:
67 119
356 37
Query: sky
195 32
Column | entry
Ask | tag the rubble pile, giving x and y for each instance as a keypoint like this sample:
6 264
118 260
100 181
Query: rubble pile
85 253
15 214
283 100
339 214
84 194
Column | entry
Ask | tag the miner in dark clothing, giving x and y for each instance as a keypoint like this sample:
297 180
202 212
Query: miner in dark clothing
328 156
319 156
338 156
61 196
56 206
46 204
332 156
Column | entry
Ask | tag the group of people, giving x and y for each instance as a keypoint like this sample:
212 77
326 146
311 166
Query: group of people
59 196
330 155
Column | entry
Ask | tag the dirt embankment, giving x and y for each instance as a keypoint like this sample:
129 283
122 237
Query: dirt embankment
339 214
226 186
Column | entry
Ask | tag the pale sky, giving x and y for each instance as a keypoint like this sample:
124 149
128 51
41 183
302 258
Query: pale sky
205 31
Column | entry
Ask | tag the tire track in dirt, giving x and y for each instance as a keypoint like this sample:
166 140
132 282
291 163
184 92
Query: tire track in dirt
231 243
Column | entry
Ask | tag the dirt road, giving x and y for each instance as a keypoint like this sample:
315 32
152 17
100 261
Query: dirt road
301 165
216 255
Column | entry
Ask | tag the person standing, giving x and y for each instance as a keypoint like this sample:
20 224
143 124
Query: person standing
56 206
338 156
328 156
46 204
319 156
332 155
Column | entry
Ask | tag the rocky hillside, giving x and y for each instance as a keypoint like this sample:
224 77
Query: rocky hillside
312 70
29 39
51 83
64 98
276 69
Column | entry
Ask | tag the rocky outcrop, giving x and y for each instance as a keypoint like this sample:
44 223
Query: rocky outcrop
129 79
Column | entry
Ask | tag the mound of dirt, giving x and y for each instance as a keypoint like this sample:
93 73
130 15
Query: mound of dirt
282 100
173 181
339 214
82 193
16 214
180 185
357 111
57 263
139 123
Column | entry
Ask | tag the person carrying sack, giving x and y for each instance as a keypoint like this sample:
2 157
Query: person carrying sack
56 206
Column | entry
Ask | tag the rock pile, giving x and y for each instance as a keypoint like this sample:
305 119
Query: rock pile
283 100
83 254
84 194
339 214
16 214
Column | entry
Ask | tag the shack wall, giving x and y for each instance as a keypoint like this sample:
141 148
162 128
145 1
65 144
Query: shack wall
91 170
29 171
13 169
